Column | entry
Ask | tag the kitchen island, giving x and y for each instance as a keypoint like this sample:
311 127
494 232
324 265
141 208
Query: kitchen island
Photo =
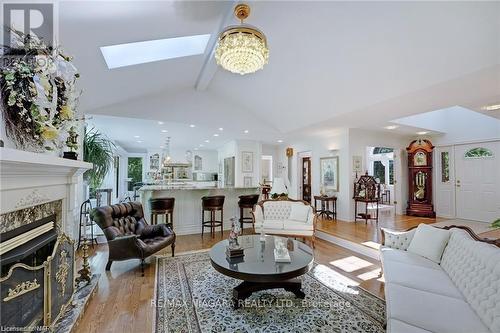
187 210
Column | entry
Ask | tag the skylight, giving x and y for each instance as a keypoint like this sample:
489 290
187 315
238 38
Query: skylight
122 55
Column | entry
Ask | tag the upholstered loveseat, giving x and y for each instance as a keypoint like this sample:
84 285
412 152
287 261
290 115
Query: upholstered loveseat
129 235
461 293
294 218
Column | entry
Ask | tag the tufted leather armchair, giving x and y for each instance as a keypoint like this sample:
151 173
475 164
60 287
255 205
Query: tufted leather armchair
129 235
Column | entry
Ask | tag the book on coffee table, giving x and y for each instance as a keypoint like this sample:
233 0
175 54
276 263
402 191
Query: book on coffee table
234 253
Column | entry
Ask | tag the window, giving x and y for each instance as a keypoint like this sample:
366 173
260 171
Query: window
478 153
379 171
382 150
380 164
391 172
445 166
134 171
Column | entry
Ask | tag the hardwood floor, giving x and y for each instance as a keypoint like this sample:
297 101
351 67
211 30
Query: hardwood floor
122 302
361 232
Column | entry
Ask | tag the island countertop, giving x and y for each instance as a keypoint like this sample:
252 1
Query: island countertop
190 187
187 207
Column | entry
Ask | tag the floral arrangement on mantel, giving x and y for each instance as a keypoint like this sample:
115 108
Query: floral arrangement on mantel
38 94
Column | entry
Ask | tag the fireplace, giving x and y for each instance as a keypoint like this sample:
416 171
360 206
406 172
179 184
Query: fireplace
37 273
39 200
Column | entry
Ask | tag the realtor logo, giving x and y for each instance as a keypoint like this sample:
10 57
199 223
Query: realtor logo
28 18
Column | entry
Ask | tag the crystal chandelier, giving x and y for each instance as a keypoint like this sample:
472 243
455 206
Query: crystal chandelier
242 49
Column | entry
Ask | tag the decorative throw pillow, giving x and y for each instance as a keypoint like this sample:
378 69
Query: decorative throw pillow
399 240
429 242
299 212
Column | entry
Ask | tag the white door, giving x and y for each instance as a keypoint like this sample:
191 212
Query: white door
398 183
444 181
477 182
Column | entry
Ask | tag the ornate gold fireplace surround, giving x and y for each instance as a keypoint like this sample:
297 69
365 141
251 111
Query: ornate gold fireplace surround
49 286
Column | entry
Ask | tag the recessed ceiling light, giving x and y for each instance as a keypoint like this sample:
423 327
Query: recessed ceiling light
422 133
280 141
137 136
201 145
164 131
160 123
221 129
207 141
139 141
216 134
491 107
391 127
196 149
121 55
192 125
245 131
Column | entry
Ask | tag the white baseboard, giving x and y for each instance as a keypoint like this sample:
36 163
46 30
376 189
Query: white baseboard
359 248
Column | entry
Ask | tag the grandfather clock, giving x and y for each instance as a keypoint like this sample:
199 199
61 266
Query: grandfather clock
420 178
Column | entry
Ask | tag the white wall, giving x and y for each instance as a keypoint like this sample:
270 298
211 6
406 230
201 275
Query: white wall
359 139
256 149
335 144
275 151
235 148
345 143
209 160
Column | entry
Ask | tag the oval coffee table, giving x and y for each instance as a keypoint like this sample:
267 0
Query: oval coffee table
257 268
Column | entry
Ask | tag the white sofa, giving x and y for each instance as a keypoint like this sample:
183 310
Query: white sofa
285 217
461 294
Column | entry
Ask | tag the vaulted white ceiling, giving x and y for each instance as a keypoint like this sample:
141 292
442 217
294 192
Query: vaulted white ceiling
331 63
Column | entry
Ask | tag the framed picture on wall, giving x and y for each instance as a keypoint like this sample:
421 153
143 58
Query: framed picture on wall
246 161
357 164
247 181
329 173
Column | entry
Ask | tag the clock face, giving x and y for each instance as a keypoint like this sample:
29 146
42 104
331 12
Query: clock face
420 159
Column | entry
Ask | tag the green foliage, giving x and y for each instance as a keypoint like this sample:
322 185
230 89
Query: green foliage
134 171
478 152
496 224
98 150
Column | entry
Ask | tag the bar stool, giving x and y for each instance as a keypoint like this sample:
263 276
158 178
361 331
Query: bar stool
162 206
212 204
248 202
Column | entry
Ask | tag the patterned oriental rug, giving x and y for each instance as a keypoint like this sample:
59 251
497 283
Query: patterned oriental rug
190 296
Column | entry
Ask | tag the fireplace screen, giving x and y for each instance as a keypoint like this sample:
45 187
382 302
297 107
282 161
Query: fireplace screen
62 277
22 297
37 281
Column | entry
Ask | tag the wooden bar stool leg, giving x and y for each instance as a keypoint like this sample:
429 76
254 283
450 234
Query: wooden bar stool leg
241 219
222 222
212 223
202 222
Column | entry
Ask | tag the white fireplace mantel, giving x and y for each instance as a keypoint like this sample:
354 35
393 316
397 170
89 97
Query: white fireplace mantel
29 179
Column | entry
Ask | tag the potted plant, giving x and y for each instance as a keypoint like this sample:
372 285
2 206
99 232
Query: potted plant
98 150
496 224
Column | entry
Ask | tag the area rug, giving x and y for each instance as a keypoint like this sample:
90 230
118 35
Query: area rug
190 296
